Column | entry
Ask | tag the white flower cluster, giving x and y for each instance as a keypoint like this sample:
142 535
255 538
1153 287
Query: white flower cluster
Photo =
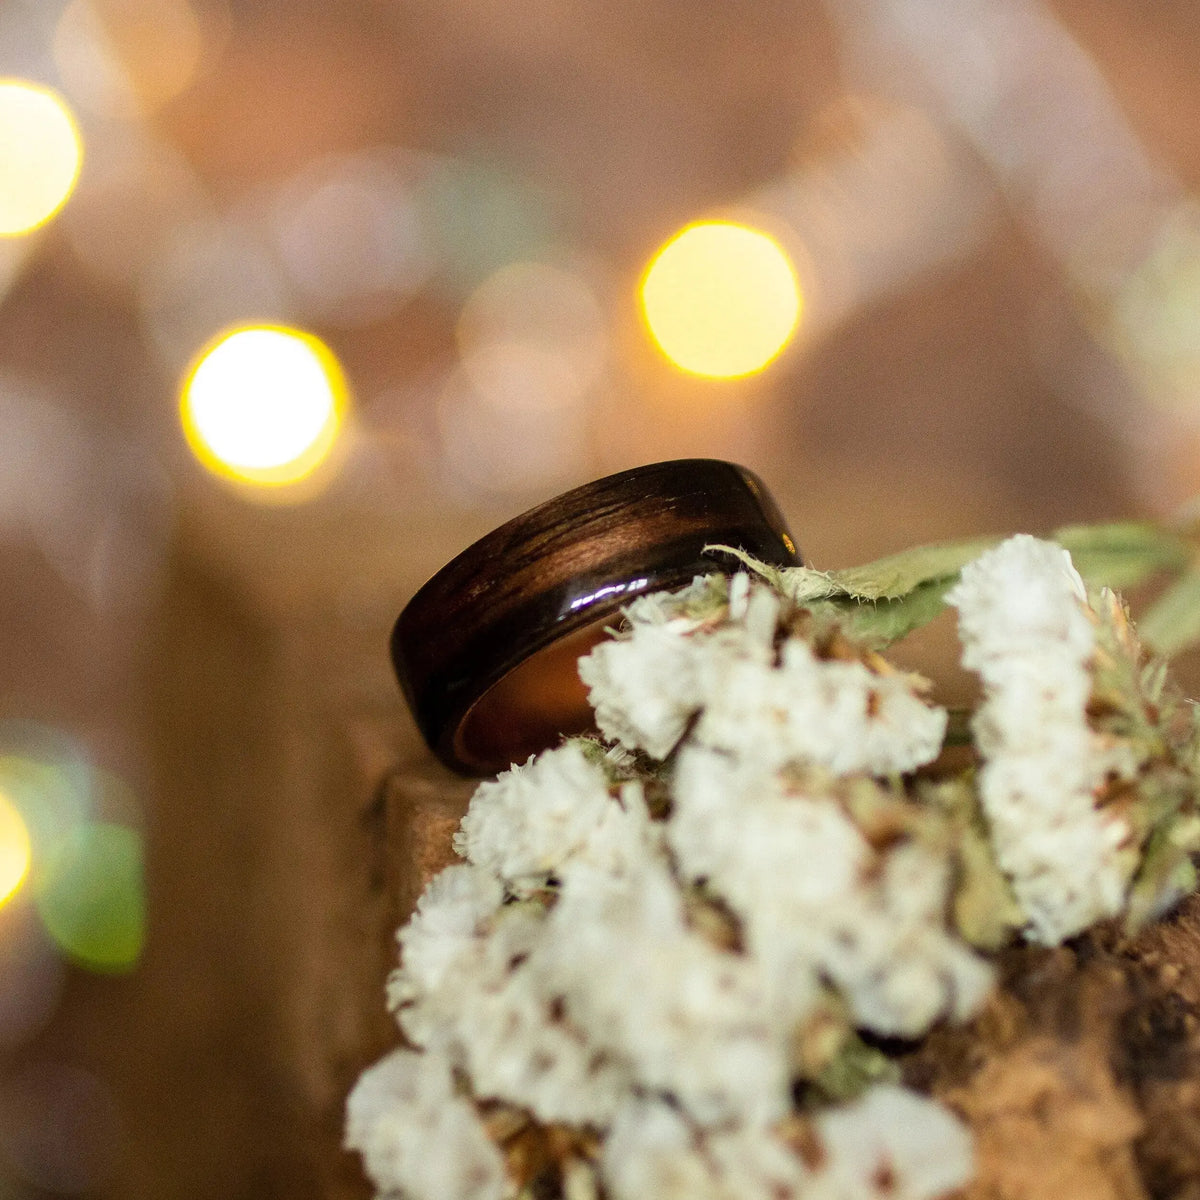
564 969
1028 631
650 948
818 903
889 1143
755 701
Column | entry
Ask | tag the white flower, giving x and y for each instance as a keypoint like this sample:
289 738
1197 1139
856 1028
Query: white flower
648 683
517 1043
690 1019
644 687
1022 597
558 970
893 958
498 1017
623 841
840 715
530 818
1027 630
403 1108
500 1007
892 1144
749 832
819 904
652 1154
430 1007
451 916
642 684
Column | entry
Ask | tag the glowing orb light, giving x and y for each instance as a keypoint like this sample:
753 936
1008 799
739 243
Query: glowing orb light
91 896
263 404
14 849
721 299
40 155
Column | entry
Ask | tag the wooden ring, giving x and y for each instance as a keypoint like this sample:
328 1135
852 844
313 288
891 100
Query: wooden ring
486 651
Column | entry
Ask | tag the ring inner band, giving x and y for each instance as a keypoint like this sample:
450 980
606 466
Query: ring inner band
530 707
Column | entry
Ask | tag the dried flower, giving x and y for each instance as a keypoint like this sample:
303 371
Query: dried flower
401 1108
648 684
660 952
841 715
820 903
893 1144
1028 630
522 825
890 1144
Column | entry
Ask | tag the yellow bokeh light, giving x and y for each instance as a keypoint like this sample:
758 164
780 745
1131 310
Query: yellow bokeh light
40 155
263 404
721 299
15 850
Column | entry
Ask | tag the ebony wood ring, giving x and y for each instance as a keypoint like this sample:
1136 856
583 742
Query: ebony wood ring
486 651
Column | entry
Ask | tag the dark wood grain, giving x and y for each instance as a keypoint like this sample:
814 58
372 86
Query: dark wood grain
560 569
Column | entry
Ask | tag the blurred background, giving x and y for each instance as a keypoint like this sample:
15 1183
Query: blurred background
297 299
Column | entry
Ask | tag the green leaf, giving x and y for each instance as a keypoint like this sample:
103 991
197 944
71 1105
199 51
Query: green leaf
1166 874
985 910
878 624
1122 554
880 602
1172 623
856 1067
900 574
890 578
768 571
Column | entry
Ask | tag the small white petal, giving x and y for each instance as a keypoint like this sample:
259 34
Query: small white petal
892 1143
403 1106
529 819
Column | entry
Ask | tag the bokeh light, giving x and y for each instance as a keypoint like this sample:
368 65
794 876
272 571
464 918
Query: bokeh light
263 404
721 299
208 273
47 779
493 447
533 336
138 193
483 218
127 57
41 153
352 236
14 849
91 897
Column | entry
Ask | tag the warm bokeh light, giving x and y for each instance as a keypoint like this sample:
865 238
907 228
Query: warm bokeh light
721 299
47 778
352 237
532 336
128 57
263 404
40 155
14 849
